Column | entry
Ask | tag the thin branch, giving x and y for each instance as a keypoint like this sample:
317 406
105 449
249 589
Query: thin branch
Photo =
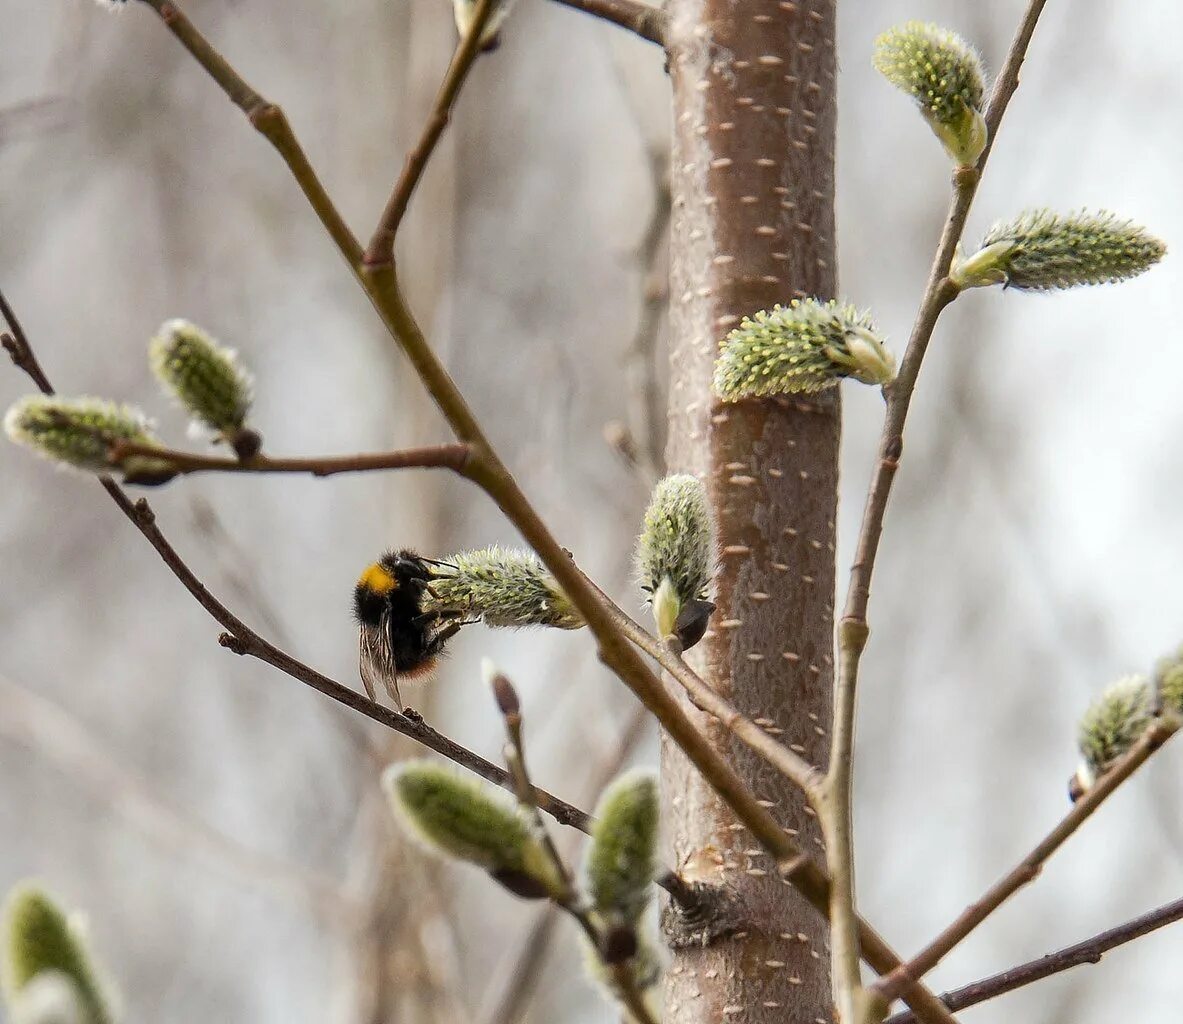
1089 951
706 699
440 456
853 630
836 819
1029 868
268 119
380 251
649 23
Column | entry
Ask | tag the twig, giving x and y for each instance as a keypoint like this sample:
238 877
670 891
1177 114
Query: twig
380 251
706 699
440 456
1089 951
1028 869
853 630
268 119
648 22
569 898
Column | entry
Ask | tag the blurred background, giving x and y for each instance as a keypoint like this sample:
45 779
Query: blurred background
222 824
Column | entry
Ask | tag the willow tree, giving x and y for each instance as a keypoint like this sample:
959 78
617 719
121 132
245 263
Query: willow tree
751 675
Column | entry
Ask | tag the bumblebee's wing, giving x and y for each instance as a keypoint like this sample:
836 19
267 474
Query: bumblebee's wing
376 662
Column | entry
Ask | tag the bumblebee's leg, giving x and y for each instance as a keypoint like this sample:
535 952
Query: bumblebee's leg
436 643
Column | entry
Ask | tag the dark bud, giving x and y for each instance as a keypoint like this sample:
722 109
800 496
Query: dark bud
1075 788
246 443
619 944
692 621
520 884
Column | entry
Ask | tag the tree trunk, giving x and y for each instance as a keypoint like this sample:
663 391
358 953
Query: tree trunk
753 225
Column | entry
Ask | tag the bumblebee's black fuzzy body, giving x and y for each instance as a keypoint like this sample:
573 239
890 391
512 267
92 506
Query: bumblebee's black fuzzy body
396 637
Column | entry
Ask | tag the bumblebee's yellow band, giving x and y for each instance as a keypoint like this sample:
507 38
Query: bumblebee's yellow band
377 580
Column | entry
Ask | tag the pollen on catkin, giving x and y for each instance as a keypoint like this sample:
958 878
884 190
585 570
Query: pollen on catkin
1040 250
461 819
203 375
621 857
1111 725
80 432
502 587
42 950
804 347
944 75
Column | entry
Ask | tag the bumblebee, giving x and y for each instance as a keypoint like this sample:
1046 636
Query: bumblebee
397 638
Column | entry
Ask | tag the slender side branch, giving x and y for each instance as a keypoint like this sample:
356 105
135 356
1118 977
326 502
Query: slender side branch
647 22
790 764
268 119
1090 951
1028 869
380 251
440 456
938 293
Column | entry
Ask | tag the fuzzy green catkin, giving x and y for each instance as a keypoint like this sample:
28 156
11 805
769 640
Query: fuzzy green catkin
40 940
944 75
474 823
804 347
675 555
621 857
502 587
79 432
1040 250
202 375
1111 725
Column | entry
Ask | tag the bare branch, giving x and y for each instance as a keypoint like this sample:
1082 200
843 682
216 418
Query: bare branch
380 251
1028 869
1090 951
648 22
440 456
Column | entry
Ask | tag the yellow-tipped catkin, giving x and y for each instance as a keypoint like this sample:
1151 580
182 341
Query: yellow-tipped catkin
1111 725
502 587
470 822
80 432
621 857
46 966
944 75
1040 250
203 376
675 556
804 347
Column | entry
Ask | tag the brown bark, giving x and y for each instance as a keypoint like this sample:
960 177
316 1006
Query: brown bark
753 187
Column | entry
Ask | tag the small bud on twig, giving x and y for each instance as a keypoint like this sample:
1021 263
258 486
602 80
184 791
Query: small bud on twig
465 14
943 74
503 690
621 858
503 588
804 347
47 973
473 823
206 379
82 432
675 557
1041 250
